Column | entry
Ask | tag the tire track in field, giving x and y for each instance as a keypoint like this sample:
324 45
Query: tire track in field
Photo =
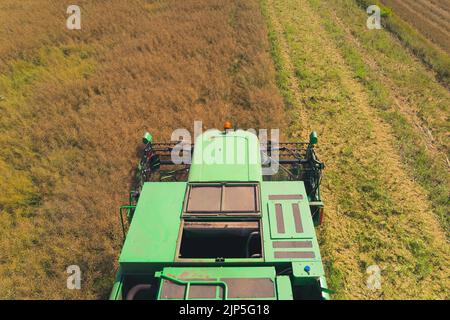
299 124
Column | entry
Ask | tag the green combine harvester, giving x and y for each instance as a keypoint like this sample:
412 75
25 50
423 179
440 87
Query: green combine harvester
222 230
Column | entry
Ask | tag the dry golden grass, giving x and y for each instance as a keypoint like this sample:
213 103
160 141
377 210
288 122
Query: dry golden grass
75 104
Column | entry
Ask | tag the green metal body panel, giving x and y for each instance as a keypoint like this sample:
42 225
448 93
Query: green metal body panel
152 236
288 235
284 288
116 292
226 157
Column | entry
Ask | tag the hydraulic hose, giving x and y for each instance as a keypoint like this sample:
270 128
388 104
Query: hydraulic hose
250 236
137 288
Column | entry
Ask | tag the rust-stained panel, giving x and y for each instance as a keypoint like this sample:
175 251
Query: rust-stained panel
250 287
202 291
279 218
292 244
239 198
297 218
294 254
171 290
223 198
237 288
204 199
217 225
285 197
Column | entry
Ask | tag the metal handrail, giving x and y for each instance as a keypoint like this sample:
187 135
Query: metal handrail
127 207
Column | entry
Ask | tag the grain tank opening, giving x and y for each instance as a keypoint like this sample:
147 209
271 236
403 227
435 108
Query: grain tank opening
220 239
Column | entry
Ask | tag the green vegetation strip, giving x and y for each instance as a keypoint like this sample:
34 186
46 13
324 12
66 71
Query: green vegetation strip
282 76
429 170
